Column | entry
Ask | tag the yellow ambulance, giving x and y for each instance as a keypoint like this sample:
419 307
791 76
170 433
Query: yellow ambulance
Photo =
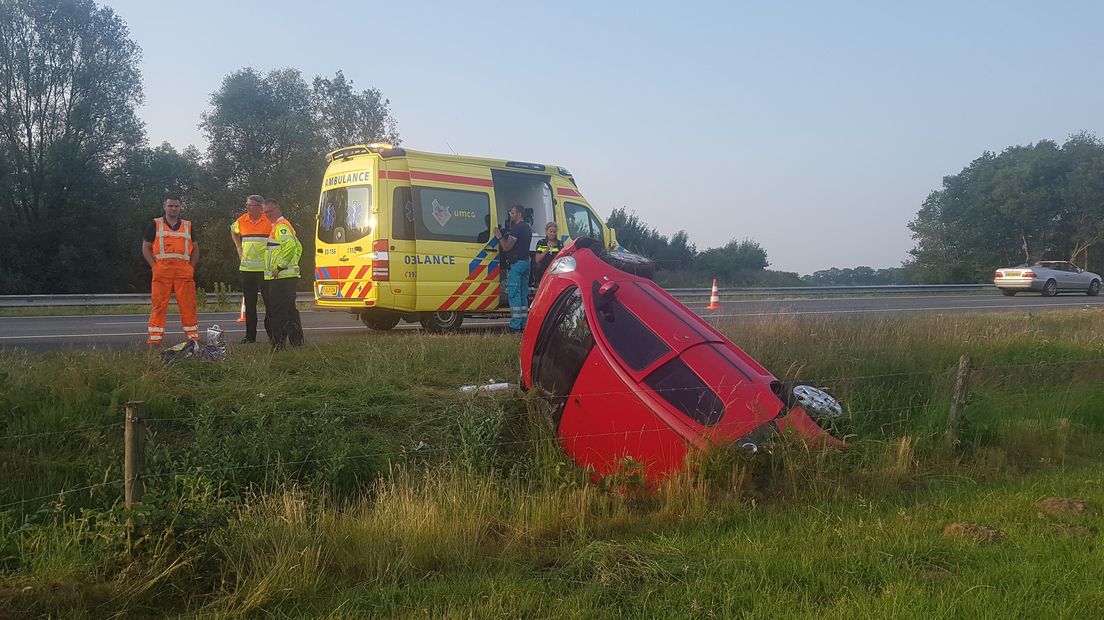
408 235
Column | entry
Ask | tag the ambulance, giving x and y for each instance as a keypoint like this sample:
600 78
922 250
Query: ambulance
406 235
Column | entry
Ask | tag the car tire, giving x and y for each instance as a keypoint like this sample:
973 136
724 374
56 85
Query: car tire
632 263
1008 293
1050 289
438 322
379 320
1094 288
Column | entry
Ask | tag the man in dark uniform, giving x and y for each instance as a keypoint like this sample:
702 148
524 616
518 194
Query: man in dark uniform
515 255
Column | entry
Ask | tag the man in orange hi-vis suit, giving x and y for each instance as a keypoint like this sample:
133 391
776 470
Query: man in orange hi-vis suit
171 252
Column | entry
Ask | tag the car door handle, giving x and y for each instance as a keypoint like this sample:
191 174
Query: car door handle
343 259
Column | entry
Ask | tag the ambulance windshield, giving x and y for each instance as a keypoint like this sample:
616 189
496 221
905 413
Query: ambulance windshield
345 214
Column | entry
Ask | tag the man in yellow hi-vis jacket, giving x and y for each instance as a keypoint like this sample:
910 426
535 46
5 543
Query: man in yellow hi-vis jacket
282 278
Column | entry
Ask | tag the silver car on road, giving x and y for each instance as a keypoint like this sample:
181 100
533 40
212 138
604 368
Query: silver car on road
1048 277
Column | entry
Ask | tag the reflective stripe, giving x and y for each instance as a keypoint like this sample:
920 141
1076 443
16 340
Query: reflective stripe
191 328
156 329
170 255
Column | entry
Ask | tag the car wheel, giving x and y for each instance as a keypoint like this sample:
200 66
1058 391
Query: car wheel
1008 293
379 320
630 263
1094 288
438 322
1050 289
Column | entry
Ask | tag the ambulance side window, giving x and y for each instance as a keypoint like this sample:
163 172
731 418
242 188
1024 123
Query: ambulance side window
402 215
451 215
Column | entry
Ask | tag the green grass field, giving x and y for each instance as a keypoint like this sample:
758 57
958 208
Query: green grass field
350 479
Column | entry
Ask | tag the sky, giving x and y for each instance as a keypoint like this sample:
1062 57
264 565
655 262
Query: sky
814 128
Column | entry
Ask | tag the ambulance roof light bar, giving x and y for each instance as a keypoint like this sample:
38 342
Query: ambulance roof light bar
381 148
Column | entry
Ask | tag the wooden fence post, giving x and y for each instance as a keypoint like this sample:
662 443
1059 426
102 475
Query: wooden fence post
958 401
134 453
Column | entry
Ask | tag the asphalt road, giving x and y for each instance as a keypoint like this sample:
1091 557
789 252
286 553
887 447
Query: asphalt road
129 330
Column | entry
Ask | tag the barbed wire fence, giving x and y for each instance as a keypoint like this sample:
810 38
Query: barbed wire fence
135 425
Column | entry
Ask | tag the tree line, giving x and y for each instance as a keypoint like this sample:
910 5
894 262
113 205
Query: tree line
79 182
1042 201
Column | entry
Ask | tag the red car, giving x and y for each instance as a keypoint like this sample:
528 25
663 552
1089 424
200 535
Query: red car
631 371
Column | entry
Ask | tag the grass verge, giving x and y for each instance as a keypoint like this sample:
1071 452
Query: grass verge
351 479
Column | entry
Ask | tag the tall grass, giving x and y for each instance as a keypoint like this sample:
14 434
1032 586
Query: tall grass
354 480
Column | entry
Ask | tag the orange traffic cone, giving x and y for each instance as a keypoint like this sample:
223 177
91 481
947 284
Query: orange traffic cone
714 298
241 317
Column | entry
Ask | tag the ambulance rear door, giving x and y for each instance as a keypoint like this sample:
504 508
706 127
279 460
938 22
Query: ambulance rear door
345 231
457 255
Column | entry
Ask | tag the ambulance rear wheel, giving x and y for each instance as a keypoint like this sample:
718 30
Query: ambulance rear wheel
379 319
437 322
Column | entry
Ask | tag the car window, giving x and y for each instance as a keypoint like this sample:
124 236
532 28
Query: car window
563 344
679 386
631 339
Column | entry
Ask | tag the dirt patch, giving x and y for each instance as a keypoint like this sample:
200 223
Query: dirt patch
973 531
1072 531
1064 506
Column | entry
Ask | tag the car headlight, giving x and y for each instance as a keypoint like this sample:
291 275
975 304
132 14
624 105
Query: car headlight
564 264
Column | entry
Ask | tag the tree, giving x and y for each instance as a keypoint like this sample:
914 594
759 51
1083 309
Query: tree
345 117
1041 201
268 134
262 139
736 262
70 84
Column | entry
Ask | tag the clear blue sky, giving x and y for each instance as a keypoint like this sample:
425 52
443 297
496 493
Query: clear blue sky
815 128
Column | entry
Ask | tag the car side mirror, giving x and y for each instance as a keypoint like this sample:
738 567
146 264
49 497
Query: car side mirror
605 295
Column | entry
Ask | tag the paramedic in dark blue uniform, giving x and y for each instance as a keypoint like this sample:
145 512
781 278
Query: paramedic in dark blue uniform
515 256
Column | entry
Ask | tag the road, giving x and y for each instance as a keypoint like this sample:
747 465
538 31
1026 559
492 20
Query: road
129 330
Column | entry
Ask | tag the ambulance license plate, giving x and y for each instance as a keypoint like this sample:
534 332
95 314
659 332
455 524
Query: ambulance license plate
329 290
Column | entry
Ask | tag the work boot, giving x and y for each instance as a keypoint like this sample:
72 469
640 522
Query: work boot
247 340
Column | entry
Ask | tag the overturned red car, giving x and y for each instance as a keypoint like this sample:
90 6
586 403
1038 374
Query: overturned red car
630 371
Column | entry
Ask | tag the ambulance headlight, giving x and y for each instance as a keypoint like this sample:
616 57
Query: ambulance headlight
565 264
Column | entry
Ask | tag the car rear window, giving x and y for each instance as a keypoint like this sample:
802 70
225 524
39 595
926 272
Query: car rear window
630 338
563 344
679 386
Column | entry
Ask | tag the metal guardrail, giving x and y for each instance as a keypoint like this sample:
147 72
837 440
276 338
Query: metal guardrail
141 299
835 290
110 299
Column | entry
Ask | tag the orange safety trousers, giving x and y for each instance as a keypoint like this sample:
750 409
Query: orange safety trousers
173 276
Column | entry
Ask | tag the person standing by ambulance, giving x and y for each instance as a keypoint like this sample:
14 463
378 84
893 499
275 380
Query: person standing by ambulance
515 254
282 277
547 249
250 234
170 250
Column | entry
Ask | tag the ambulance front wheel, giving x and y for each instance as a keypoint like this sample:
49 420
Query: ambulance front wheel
441 321
379 320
